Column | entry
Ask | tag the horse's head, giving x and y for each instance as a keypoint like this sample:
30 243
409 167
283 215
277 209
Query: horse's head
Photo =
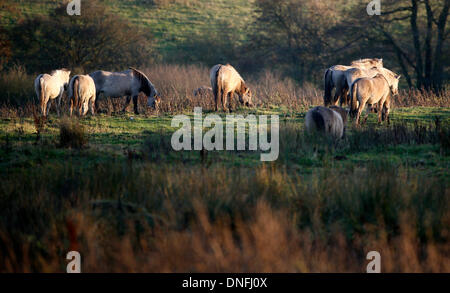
154 100
65 76
245 97
378 63
394 85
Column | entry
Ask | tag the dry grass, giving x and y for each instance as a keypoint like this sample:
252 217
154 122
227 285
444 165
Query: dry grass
150 214
156 218
176 84
72 134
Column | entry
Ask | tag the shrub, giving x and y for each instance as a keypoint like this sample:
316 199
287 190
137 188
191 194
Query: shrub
72 134
96 39
16 87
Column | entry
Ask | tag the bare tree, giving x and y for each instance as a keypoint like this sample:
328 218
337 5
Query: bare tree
424 22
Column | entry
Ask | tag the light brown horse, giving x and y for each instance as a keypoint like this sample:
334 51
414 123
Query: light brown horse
225 81
354 74
82 94
335 78
49 87
371 91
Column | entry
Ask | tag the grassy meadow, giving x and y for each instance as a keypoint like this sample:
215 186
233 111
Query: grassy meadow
173 23
112 188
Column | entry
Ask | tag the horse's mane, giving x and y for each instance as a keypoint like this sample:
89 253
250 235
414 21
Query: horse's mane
146 86
238 74
366 60
56 70
391 73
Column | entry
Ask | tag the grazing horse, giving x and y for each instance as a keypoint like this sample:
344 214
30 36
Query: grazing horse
335 78
82 94
225 81
331 121
127 83
49 87
203 91
371 91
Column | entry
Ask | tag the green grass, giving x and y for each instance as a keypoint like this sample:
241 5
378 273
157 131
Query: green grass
367 191
115 137
171 24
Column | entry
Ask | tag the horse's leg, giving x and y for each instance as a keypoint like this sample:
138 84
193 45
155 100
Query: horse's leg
224 101
230 102
360 109
92 106
135 103
217 102
338 95
380 109
127 103
368 110
43 106
71 107
97 94
343 97
58 107
49 105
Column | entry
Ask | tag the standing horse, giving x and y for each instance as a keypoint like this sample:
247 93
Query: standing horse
127 83
354 74
225 81
82 94
371 91
335 78
49 87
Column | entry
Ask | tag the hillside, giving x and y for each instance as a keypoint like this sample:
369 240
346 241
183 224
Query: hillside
172 23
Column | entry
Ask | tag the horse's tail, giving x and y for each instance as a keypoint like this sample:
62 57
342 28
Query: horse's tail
353 98
318 120
42 96
328 83
76 94
217 88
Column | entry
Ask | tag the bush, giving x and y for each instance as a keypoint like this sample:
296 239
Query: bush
96 39
72 134
16 87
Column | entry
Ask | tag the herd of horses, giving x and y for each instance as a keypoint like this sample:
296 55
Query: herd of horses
363 83
83 90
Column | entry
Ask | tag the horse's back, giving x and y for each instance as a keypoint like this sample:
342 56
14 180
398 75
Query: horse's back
372 89
325 120
87 85
51 85
113 83
368 63
229 78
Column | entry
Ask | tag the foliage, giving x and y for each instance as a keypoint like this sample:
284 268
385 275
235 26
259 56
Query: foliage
96 39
